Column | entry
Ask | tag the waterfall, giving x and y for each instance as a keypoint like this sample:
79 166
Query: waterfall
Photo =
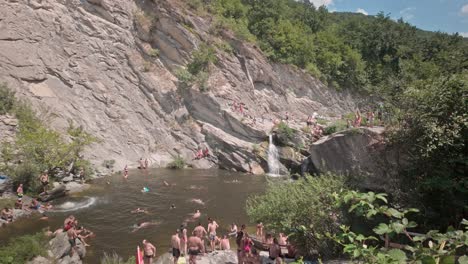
273 161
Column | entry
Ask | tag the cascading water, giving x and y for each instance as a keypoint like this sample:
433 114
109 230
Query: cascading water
273 161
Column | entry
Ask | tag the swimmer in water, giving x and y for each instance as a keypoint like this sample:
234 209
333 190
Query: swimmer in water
139 210
165 183
196 215
145 189
143 225
173 206
197 201
125 172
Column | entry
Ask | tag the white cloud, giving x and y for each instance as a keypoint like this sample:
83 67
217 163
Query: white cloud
362 11
464 10
318 3
406 13
463 34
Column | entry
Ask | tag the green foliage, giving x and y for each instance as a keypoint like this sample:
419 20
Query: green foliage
153 53
147 66
7 202
177 162
434 246
114 258
201 59
305 209
337 126
185 78
7 99
285 131
108 164
38 148
23 248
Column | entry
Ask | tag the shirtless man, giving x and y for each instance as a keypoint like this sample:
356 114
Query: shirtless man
19 204
225 245
143 225
142 164
282 239
175 242
199 231
183 239
259 229
72 234
195 247
149 252
275 251
196 215
212 226
44 178
7 214
139 210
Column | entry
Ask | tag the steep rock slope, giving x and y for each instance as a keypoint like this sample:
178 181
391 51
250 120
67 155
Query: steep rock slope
90 61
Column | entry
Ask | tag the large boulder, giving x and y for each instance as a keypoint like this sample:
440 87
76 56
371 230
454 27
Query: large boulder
359 152
59 246
55 193
40 260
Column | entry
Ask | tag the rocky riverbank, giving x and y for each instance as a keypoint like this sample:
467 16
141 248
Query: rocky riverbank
59 249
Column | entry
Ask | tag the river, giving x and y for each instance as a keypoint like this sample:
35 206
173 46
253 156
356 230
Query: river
105 208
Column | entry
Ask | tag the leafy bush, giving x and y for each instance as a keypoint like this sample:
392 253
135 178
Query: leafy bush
201 59
144 20
108 164
433 247
286 131
304 208
38 148
153 53
185 78
147 66
114 258
23 248
178 162
337 126
7 99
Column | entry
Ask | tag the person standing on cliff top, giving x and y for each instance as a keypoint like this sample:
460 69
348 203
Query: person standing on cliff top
149 251
175 242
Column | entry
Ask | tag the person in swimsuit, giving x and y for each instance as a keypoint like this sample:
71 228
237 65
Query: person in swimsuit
20 191
125 172
139 210
212 226
357 119
275 252
19 204
282 239
247 246
195 247
44 178
7 215
233 230
259 229
183 239
149 251
225 245
146 163
35 204
72 234
175 242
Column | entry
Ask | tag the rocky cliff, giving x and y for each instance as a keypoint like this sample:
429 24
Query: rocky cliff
96 62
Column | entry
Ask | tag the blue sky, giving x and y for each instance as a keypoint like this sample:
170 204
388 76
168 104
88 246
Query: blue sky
435 15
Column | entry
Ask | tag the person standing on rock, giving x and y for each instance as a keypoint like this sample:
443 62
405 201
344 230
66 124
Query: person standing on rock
20 191
72 234
44 178
149 252
183 239
195 247
175 242
212 226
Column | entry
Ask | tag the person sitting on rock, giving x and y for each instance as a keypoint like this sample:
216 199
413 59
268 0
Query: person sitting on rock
224 243
206 153
19 204
7 215
68 223
72 234
84 233
35 205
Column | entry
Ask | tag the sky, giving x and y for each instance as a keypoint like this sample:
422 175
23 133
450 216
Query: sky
435 15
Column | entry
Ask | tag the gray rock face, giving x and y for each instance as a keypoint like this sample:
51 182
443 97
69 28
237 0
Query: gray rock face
90 62
40 260
358 152
60 248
